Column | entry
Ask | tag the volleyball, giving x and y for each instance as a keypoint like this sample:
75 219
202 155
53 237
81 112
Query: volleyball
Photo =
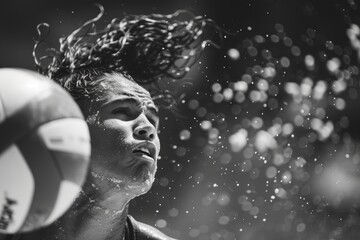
44 150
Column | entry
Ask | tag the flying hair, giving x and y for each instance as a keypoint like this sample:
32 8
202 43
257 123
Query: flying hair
144 48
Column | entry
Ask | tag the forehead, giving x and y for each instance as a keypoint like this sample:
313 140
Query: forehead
116 86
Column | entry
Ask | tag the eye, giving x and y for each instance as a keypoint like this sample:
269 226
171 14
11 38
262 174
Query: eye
122 113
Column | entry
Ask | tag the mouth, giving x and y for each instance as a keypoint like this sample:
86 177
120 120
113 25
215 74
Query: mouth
145 150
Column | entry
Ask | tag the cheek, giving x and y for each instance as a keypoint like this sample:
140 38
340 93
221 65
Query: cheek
109 137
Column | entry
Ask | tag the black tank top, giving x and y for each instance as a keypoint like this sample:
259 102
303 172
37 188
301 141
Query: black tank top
132 232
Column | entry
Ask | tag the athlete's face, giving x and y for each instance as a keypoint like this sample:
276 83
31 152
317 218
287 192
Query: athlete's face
123 122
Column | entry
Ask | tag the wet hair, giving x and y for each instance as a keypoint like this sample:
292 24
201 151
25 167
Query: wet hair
147 49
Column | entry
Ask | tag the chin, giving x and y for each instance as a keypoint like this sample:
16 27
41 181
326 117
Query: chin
142 180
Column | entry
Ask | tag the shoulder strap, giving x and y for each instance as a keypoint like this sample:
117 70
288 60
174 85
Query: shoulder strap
131 229
142 231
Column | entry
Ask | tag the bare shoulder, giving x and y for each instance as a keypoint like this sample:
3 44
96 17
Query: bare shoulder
152 233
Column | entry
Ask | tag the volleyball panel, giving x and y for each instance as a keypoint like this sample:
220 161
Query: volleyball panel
17 190
68 140
69 135
47 178
18 87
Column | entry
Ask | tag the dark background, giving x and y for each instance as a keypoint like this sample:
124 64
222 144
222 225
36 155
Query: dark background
204 189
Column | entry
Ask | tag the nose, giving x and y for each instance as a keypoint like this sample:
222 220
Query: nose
144 130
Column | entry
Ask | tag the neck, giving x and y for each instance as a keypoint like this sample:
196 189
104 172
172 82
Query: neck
91 220
96 215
